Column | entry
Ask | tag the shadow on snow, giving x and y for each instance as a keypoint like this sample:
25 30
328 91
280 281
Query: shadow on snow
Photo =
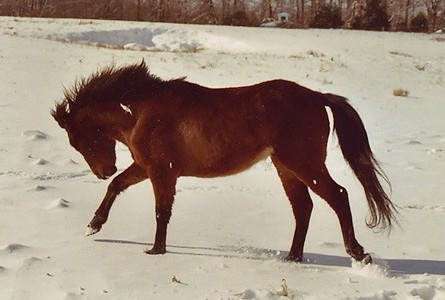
395 266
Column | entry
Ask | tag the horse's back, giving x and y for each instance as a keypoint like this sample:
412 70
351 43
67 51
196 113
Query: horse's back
224 131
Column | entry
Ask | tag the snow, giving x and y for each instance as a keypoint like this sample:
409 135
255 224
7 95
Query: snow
228 236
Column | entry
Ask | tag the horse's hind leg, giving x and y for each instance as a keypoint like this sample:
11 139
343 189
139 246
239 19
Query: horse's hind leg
132 175
337 198
298 195
315 175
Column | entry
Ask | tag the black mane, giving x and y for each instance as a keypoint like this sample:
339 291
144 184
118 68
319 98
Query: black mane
110 84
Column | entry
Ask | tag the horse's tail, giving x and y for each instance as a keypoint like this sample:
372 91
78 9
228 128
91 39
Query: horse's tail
355 147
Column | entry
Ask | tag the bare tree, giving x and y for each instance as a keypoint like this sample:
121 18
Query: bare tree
302 11
26 8
206 13
434 10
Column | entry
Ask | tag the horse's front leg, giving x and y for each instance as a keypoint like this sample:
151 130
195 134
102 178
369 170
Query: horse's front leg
132 175
164 187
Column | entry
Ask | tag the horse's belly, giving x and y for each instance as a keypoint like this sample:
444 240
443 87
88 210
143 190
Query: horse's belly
225 165
234 164
219 148
214 160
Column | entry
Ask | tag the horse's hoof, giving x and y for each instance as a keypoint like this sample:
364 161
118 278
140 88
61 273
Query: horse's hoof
95 225
367 259
294 258
364 258
155 251
90 230
359 255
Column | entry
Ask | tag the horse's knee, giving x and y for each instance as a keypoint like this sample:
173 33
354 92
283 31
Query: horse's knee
164 214
116 186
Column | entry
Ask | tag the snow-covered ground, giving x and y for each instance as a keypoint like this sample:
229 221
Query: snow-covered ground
228 235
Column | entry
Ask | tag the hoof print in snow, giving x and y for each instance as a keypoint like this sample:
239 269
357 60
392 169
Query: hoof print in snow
30 262
33 135
38 188
68 162
12 248
40 162
247 294
413 142
58 203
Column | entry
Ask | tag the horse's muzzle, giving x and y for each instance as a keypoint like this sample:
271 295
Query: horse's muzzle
106 173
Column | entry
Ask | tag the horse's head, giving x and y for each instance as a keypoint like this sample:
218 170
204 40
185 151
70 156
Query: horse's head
83 111
90 140
96 148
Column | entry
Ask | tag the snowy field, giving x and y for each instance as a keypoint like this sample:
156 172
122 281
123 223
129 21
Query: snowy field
228 236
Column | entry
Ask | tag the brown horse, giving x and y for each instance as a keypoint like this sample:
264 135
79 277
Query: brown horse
176 128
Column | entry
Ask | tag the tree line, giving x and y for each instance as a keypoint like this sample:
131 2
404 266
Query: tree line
405 15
